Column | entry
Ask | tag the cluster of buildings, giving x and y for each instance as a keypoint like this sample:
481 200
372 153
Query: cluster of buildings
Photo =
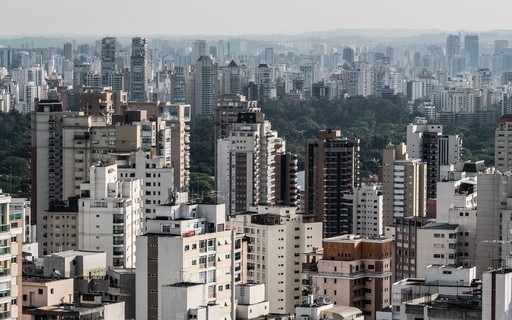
110 221
460 81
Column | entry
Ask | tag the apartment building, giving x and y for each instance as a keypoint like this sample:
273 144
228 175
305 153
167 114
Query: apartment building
188 246
353 271
110 215
277 238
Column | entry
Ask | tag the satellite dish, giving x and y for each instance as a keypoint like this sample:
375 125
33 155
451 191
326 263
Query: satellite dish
28 269
57 272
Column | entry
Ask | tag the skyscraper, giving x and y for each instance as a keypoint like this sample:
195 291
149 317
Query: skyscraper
245 166
205 86
108 58
502 146
332 168
471 49
139 76
428 143
452 49
68 51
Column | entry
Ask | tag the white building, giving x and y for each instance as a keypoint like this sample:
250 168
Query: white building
110 215
446 292
187 246
71 264
367 210
251 302
436 244
245 164
277 239
497 294
153 171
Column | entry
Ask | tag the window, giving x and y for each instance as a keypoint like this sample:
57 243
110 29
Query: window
39 291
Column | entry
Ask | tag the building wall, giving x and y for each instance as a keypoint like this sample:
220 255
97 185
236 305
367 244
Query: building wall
435 246
46 293
164 260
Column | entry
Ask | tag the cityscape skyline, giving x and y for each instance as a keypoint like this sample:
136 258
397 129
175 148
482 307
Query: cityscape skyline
280 17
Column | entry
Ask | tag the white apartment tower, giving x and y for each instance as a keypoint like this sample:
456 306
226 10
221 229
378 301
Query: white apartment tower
367 210
277 239
427 143
110 215
245 163
188 245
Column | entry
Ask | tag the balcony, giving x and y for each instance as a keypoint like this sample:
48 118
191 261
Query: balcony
5 227
5 314
118 221
5 272
118 254
118 231
5 293
5 250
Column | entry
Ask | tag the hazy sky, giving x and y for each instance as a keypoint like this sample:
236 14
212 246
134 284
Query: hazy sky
235 17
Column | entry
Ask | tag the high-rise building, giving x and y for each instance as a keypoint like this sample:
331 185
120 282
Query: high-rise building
11 240
502 146
110 215
177 120
404 185
139 69
231 79
494 221
68 51
199 48
286 167
406 245
332 168
471 49
428 143
269 56
227 109
277 238
179 85
186 245
246 164
367 211
348 54
452 49
108 59
205 86
263 81
353 271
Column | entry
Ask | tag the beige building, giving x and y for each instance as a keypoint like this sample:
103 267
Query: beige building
404 185
11 239
502 146
353 271
187 244
436 244
277 239
62 226
177 119
40 292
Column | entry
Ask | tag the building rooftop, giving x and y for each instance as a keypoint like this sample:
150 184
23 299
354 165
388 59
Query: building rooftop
441 226
184 284
354 237
73 253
